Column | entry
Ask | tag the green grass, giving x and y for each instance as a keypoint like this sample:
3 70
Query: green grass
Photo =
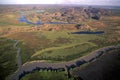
55 34
62 47
65 34
11 19
35 43
65 52
44 75
25 52
8 63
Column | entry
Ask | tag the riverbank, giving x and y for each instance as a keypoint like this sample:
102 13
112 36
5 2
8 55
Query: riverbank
62 66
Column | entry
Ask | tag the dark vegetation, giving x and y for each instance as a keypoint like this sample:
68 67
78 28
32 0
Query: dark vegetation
106 67
46 75
8 61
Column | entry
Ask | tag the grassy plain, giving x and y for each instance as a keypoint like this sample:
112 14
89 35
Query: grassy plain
51 45
46 75
54 44
8 61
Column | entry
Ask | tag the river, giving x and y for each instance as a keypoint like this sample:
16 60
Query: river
29 67
24 19
88 32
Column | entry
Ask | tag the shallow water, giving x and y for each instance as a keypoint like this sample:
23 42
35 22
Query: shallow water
24 19
88 32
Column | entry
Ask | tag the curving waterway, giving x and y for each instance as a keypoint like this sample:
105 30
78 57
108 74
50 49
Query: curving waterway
29 67
24 19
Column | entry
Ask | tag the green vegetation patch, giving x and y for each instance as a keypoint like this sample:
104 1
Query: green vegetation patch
46 75
54 45
64 53
11 19
8 62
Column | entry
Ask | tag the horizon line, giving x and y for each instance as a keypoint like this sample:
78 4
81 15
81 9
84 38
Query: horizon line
59 4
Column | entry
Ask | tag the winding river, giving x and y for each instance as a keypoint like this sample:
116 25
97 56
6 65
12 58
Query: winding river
24 19
29 67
